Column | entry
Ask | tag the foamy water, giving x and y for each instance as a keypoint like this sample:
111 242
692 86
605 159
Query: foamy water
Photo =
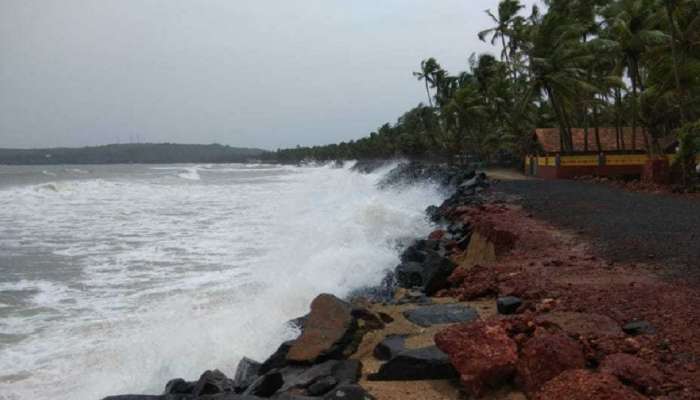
114 279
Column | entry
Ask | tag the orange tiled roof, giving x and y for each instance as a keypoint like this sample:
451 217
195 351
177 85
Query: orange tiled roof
549 139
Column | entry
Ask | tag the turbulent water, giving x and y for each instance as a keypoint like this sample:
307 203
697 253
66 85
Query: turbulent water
114 279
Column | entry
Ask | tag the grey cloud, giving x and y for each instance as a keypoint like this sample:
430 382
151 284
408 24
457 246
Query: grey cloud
264 73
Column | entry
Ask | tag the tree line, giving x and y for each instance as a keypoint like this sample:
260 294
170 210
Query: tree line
570 64
145 153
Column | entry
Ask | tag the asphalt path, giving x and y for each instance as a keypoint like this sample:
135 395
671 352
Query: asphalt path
626 226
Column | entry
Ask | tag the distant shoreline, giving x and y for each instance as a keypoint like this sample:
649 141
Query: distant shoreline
134 153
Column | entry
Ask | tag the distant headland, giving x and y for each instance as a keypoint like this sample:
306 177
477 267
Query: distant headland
137 153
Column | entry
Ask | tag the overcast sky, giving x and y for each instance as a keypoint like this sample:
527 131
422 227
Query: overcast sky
256 73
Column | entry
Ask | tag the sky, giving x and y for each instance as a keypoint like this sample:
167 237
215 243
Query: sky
248 73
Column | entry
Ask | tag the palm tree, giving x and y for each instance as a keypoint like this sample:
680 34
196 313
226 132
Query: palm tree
507 16
681 18
429 69
629 23
557 60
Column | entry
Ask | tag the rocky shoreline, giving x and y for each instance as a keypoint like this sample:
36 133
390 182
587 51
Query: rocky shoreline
493 304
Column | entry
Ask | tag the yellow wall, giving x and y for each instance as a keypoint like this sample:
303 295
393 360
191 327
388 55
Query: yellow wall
592 160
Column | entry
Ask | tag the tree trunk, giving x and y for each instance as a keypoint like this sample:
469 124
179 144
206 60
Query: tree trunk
644 132
633 78
510 64
618 118
568 139
562 131
597 128
585 129
676 61
427 90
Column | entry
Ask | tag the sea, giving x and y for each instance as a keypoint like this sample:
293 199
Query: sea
116 278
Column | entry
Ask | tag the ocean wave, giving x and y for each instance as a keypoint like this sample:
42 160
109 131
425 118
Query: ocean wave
150 275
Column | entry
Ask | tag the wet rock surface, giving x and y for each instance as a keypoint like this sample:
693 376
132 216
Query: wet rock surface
416 364
430 274
246 373
390 347
266 385
213 382
414 172
327 330
278 359
441 314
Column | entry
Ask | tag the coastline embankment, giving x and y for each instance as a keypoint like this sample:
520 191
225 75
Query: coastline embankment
494 304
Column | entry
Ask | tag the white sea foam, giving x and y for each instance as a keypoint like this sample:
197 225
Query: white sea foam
191 173
158 278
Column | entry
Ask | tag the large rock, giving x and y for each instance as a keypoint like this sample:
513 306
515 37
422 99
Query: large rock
436 270
634 371
482 353
246 373
347 371
179 386
544 357
266 385
326 332
294 377
213 382
322 386
292 396
427 363
441 314
582 325
381 293
579 384
390 347
409 274
418 251
430 274
348 392
278 359
148 397
299 378
220 396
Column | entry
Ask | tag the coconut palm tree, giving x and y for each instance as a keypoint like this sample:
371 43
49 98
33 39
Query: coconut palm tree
630 22
428 70
557 59
505 21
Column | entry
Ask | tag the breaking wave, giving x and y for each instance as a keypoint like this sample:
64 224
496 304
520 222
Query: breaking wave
127 282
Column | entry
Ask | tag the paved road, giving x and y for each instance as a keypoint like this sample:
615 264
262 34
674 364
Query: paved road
627 226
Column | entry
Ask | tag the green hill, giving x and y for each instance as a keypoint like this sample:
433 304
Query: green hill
146 153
